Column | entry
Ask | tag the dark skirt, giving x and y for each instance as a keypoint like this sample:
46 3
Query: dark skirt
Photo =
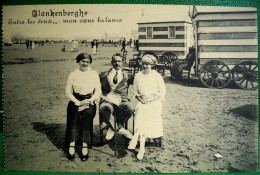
80 123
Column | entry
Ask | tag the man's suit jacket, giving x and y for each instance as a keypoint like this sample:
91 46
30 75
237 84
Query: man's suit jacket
121 88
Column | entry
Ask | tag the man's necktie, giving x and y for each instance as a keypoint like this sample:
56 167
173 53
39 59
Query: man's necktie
115 79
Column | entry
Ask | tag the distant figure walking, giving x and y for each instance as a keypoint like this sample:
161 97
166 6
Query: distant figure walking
27 44
64 48
94 45
123 45
137 45
32 46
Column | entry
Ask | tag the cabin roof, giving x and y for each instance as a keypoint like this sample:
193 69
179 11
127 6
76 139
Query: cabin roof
160 22
219 9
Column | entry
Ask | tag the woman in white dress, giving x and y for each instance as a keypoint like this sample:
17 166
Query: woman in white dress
83 88
94 46
32 44
149 89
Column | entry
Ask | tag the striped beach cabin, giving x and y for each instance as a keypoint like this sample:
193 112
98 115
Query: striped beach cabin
225 33
226 45
161 37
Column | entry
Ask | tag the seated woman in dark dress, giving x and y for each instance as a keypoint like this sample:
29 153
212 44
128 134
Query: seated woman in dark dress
83 87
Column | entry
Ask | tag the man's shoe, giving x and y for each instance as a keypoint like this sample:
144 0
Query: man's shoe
126 133
110 134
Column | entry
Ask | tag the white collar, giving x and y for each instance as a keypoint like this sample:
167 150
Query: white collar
89 69
113 71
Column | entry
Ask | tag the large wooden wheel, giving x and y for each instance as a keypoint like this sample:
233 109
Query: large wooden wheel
169 58
215 74
245 75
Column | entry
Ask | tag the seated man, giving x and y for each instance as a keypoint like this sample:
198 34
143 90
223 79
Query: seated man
114 84
180 65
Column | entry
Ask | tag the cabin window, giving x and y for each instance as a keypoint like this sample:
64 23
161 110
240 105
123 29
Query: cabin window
149 32
172 32
142 29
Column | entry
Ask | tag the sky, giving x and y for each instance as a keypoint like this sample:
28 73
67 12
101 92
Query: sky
129 15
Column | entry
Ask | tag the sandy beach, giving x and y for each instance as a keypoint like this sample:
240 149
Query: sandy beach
198 122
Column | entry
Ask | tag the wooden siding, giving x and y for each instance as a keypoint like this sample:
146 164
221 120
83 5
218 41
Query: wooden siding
178 49
226 36
160 32
161 44
166 36
163 32
228 48
227 16
226 23
228 55
228 42
227 29
229 37
164 49
172 40
163 24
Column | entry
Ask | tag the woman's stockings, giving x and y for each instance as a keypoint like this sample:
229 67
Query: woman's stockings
141 152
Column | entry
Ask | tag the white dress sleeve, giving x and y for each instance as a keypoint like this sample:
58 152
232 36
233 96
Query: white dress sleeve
97 93
161 87
136 92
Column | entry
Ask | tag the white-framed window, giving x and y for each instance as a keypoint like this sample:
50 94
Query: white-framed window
171 33
149 32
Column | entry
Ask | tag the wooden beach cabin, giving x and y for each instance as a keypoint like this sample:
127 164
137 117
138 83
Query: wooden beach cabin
229 36
161 37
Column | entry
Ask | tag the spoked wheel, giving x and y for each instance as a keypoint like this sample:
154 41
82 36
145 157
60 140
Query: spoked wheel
169 58
245 75
215 74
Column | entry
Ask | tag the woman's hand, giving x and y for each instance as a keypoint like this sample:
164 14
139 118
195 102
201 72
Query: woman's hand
144 99
85 102
139 98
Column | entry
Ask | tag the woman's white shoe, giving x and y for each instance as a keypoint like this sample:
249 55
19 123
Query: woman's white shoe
71 150
140 154
84 151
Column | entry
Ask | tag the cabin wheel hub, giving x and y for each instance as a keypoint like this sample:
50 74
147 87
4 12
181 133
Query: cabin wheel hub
214 75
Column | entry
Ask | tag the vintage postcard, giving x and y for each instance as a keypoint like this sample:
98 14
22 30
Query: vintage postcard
112 88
